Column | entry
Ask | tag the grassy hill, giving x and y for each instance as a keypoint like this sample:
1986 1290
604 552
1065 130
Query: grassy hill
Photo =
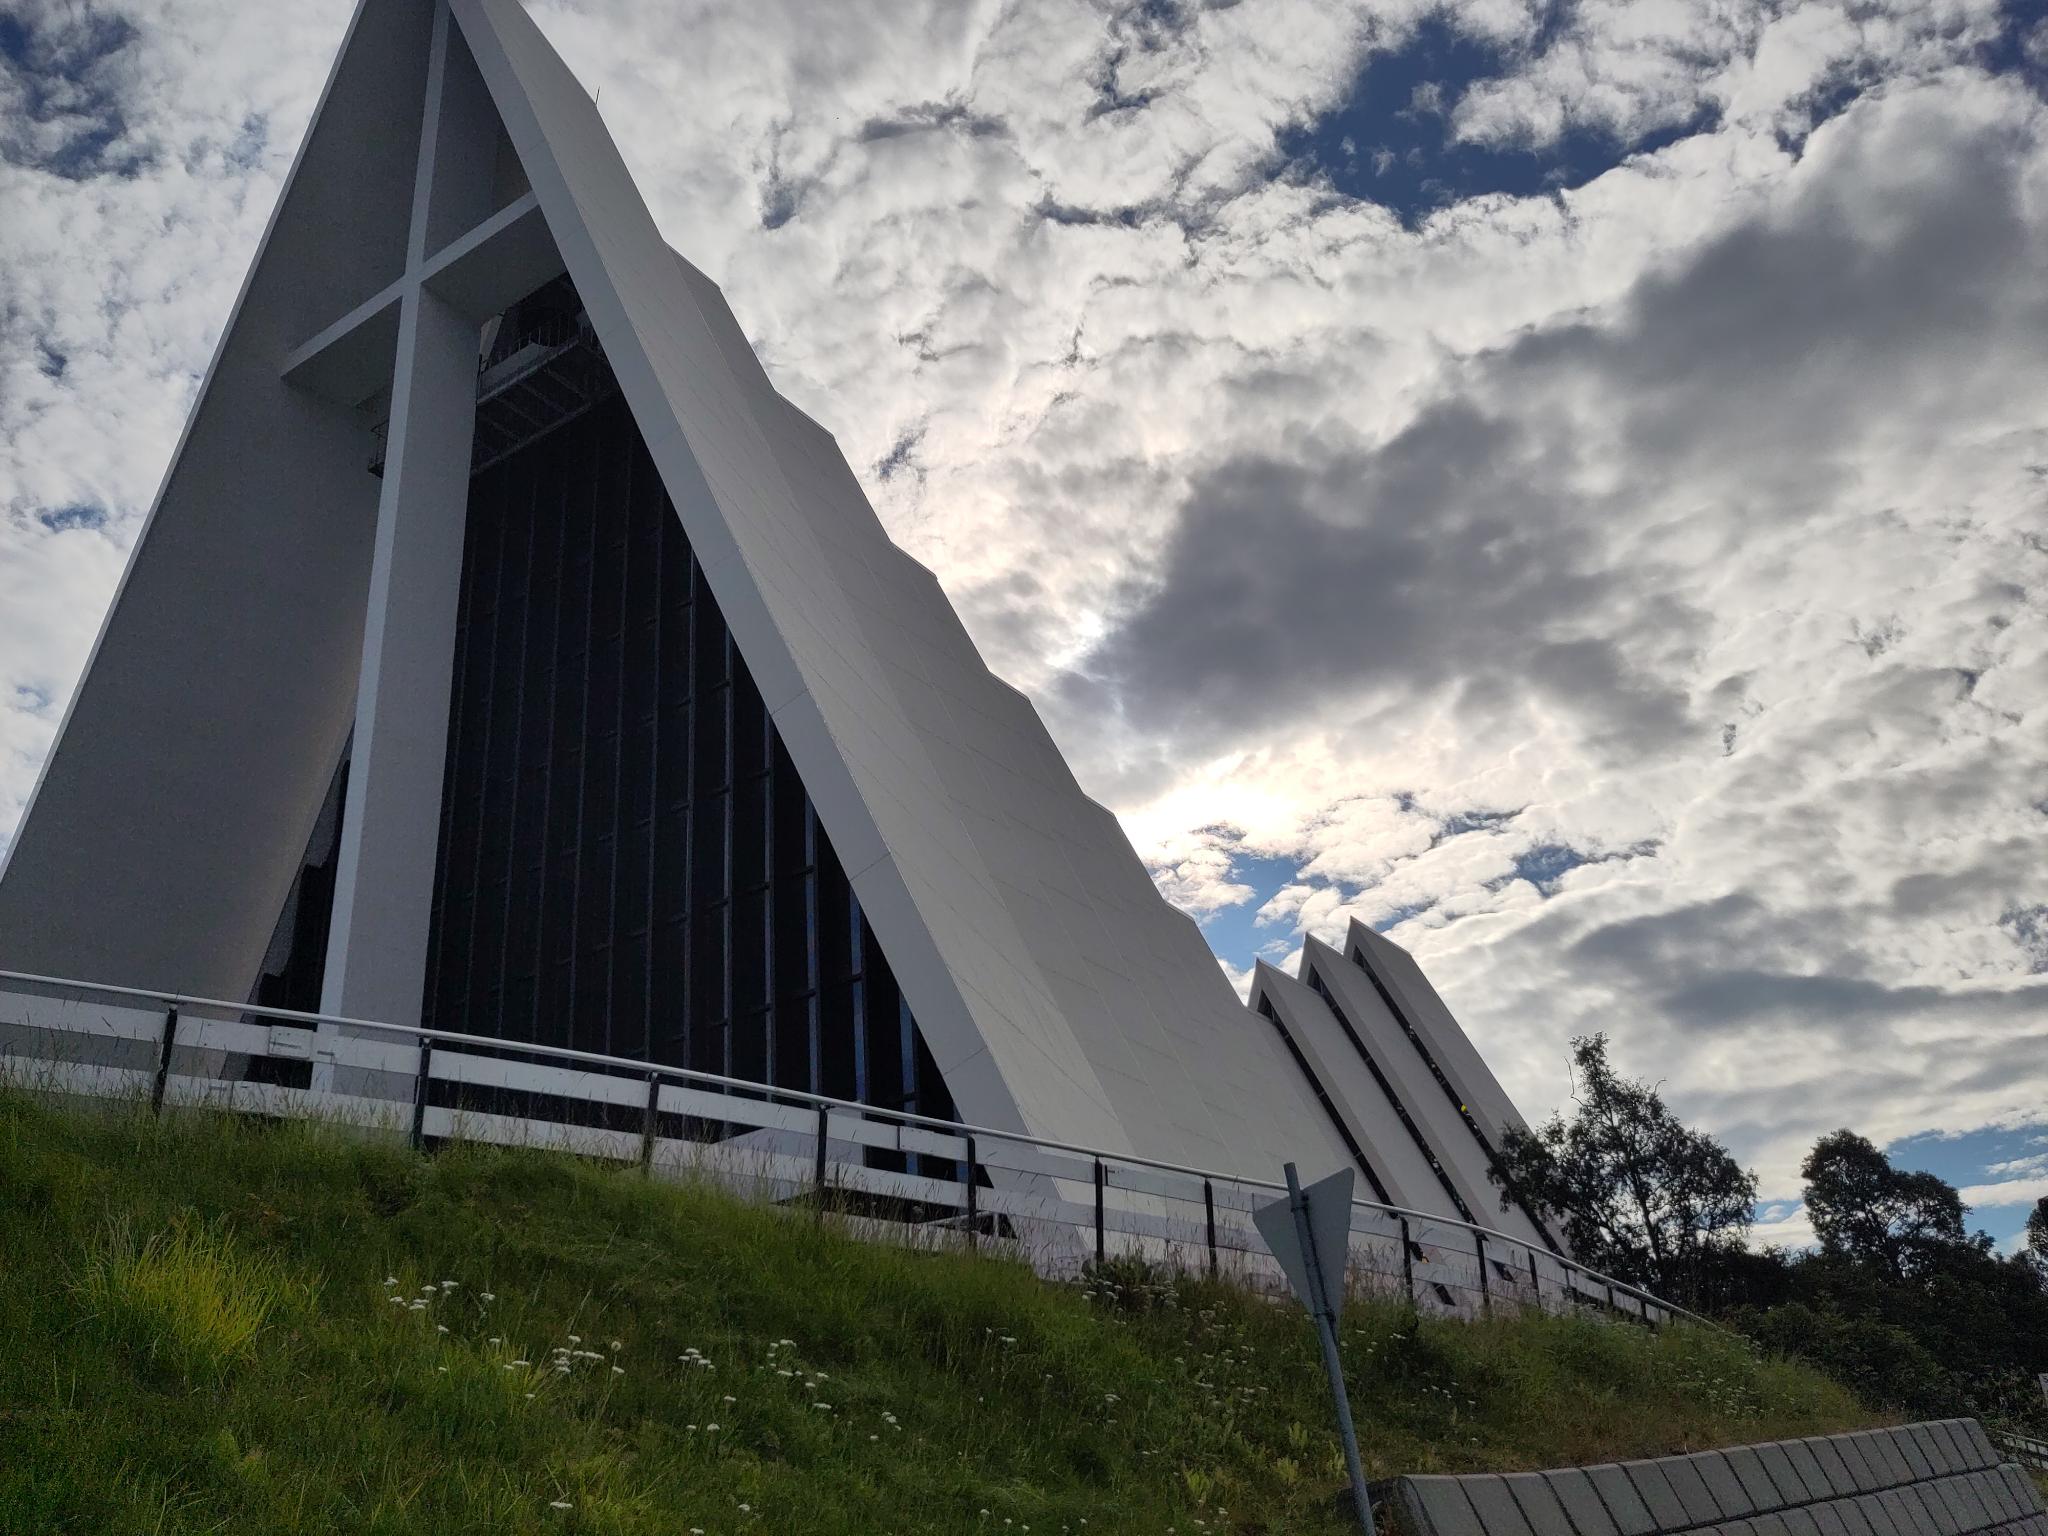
211 1324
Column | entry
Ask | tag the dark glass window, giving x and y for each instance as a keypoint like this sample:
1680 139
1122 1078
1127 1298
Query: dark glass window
628 862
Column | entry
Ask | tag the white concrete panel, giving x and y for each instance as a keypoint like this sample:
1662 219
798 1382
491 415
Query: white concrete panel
172 812
1456 1150
1455 1055
390 833
1371 1120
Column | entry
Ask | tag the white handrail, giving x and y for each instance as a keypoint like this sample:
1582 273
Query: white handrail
820 1101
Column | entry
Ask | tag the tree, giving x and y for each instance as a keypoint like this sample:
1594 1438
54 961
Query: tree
2037 1237
1863 1208
1640 1194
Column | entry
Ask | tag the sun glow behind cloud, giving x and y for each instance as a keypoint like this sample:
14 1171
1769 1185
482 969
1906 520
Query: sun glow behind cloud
1603 544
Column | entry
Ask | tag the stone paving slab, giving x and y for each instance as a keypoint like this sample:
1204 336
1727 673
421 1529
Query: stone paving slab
1942 1478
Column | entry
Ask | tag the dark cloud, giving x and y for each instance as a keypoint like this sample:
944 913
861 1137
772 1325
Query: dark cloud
1444 560
1461 560
1899 279
1738 963
925 117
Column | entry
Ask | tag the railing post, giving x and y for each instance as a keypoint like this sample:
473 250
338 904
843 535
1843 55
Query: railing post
419 1093
1407 1263
1485 1290
1209 1210
163 1061
824 1135
1535 1281
647 1128
973 1237
1101 1237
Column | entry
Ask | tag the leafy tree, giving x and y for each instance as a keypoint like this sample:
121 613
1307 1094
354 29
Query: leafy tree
2037 1234
1639 1194
1865 1209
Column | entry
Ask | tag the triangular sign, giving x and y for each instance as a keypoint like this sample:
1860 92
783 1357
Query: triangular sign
1329 1230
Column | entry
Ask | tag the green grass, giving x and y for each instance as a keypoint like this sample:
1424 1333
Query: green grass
214 1324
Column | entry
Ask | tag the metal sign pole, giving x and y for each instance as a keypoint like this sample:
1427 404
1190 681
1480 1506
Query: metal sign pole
1325 1314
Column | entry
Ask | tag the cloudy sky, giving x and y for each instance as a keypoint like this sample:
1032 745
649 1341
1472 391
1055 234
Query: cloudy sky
1565 483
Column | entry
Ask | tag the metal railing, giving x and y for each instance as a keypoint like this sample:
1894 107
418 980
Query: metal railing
886 1172
2024 1449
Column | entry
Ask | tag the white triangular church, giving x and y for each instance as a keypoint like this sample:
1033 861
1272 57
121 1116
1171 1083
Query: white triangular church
504 653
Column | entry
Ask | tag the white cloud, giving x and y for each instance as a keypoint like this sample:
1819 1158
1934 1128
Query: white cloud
2006 1192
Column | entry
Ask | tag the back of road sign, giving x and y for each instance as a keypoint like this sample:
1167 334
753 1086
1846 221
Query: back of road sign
1329 1226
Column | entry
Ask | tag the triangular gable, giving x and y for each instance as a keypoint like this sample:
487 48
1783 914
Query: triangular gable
1059 993
168 821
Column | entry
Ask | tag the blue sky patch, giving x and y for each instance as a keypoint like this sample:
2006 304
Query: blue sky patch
77 515
1388 141
1966 1160
63 90
2020 47
1231 931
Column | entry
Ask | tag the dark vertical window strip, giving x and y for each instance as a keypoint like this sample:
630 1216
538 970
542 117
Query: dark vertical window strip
728 810
451 787
813 982
547 830
856 930
595 933
490 575
627 459
687 997
451 783
500 767
512 909
769 1017
542 1013
593 542
639 625
657 517
603 729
